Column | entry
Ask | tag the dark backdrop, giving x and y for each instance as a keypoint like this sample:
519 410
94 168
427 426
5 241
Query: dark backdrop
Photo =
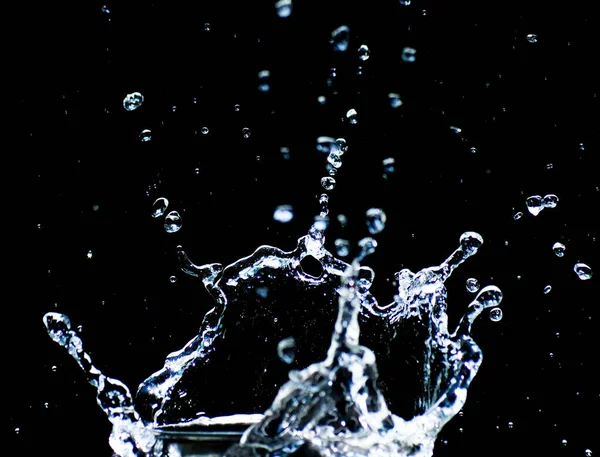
88 183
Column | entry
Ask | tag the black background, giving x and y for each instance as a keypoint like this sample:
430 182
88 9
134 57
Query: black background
88 184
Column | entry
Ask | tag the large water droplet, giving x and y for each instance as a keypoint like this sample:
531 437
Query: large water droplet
284 8
495 314
339 38
471 242
159 207
363 52
334 158
534 204
286 350
583 271
489 296
375 220
352 116
173 222
328 182
472 285
559 249
283 213
409 54
342 247
133 101
394 99
550 201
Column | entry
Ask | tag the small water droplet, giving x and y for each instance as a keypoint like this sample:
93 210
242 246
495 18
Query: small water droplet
376 219
105 9
283 213
197 171
564 442
455 129
321 99
405 2
284 8
339 38
394 99
328 182
534 204
409 54
207 27
17 430
286 350
54 368
352 115
342 247
532 38
547 289
159 207
236 108
388 165
173 279
473 150
495 314
204 130
550 201
246 132
549 166
145 135
588 453
518 216
340 143
263 80
367 246
89 254
173 222
470 242
511 425
472 285
342 219
285 152
133 101
364 52
583 271
321 223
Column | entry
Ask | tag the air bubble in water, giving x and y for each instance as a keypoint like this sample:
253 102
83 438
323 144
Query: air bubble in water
159 207
547 289
363 52
534 204
328 182
495 314
284 8
532 38
263 81
145 135
550 201
286 350
472 285
342 247
246 132
283 213
375 220
173 222
409 54
352 116
559 249
583 271
133 101
518 216
339 38
394 99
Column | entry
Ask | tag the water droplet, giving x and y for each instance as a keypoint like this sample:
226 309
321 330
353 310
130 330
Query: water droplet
375 220
455 129
518 216
367 246
564 442
470 242
550 201
534 204
173 279
409 54
547 289
286 350
246 132
581 147
489 296
173 222
334 159
263 81
321 99
340 143
364 52
145 135
405 2
133 101
472 285
284 8
328 182
342 219
105 9
549 166
159 207
321 223
324 202
588 453
204 130
54 368
511 425
197 171
89 254
285 152
532 38
394 99
206 27
283 213
263 292
342 247
473 150
352 115
339 38
495 314
18 430
236 108
388 165
583 271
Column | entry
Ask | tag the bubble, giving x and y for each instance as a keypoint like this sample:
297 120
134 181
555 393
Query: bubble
173 222
532 38
364 52
495 314
376 219
133 101
159 207
550 201
583 271
283 213
534 204
246 132
173 279
409 54
342 247
547 289
472 285
328 182
204 130
339 38
352 115
518 216
471 242
394 99
286 350
145 135
263 80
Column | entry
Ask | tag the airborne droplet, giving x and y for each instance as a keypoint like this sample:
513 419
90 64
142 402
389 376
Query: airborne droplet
263 81
363 52
173 222
145 135
246 132
559 249
583 271
284 8
283 213
532 38
286 350
472 285
550 201
328 182
547 289
495 314
471 242
133 101
375 220
159 207
342 247
534 204
339 38
352 116
394 99
409 54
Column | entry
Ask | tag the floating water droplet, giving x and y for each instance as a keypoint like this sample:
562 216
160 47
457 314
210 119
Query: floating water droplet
489 296
89 254
532 38
511 425
367 246
334 159
342 219
285 152
173 222
518 216
352 115
342 247
236 107
588 453
173 279
105 9
321 99
58 326
405 2
339 38
204 130
364 52
321 223
583 271
283 213
534 204
263 80
470 242
388 165
324 202
549 166
246 132
564 442
409 54
559 249
133 101
159 207
375 220
145 135
207 27
286 350
547 289
455 129
18 430
284 8
472 285
394 99
328 182
54 368
550 201
495 314
342 146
